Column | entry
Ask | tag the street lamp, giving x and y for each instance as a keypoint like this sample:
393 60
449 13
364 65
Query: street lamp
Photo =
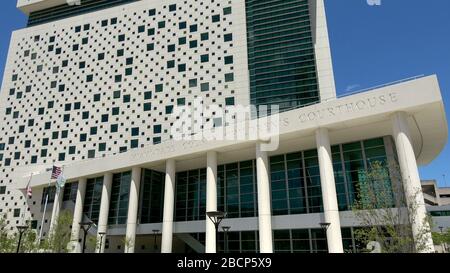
216 217
21 229
225 230
155 232
325 226
85 226
101 241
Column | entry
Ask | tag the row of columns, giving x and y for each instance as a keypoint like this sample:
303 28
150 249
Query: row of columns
408 168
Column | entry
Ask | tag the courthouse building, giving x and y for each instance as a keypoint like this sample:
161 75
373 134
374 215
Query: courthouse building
91 87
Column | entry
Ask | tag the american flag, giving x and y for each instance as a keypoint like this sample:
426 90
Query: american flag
56 171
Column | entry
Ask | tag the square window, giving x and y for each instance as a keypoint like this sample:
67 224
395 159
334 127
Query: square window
159 88
27 143
193 44
61 156
204 58
82 65
147 95
126 98
91 154
181 67
229 101
227 11
105 118
181 101
151 32
141 29
204 36
121 37
228 59
228 37
101 56
83 137
72 150
157 129
118 78
152 12
170 64
116 94
85 115
102 147
115 111
162 24
97 97
89 78
128 71
55 135
114 128
182 25
173 7
113 21
150 47
147 106
129 61
104 23
204 86
193 28
171 48
93 130
120 53
44 153
134 143
229 77
193 83
216 18
135 131
182 40
169 109
156 140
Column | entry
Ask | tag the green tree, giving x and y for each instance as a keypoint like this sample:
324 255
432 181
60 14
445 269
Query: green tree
384 214
7 243
59 237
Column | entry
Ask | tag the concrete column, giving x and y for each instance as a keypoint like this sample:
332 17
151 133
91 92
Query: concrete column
74 245
264 201
104 211
56 208
329 196
211 201
169 204
133 205
411 183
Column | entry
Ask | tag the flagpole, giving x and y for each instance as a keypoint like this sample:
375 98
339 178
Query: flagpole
45 207
26 197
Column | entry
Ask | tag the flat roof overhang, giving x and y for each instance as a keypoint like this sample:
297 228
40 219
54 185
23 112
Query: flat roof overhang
351 118
29 6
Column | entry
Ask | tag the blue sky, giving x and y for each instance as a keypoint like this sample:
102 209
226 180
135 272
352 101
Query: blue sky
371 45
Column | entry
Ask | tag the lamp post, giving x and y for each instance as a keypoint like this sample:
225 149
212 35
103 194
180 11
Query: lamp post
21 229
155 232
225 230
325 226
216 217
101 240
85 226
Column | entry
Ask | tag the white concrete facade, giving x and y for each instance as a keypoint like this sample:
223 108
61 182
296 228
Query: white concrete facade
88 99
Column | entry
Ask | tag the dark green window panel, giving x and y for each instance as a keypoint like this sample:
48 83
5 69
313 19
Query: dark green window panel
281 54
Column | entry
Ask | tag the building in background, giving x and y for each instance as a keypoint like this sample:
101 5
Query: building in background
438 205
92 88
